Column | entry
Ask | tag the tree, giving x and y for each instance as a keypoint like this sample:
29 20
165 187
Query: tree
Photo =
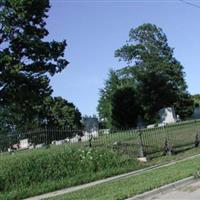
11 122
159 76
116 79
125 108
196 99
26 58
104 105
60 113
91 123
6 123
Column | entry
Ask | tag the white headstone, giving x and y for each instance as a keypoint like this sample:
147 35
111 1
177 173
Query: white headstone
24 144
39 146
167 115
151 126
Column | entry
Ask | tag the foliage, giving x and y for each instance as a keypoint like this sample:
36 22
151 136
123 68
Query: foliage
125 108
104 106
116 79
5 120
26 59
184 105
153 72
90 123
196 99
54 112
159 75
58 112
23 172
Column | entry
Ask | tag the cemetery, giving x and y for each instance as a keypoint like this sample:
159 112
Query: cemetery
91 152
116 151
104 129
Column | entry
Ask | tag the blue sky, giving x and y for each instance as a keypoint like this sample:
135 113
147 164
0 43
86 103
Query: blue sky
95 29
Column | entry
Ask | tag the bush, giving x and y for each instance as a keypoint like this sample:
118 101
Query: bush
26 170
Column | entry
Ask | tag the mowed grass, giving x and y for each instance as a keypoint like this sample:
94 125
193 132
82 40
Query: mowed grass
138 184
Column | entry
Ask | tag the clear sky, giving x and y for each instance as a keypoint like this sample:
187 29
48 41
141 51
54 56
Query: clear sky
95 29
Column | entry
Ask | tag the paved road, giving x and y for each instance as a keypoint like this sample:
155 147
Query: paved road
188 191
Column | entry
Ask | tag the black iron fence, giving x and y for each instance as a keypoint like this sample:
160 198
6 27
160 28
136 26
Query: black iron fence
171 138
138 142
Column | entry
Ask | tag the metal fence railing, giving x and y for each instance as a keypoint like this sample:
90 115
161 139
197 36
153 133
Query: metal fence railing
171 138
138 142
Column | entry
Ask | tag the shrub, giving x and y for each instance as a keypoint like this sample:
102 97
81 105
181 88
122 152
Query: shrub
39 166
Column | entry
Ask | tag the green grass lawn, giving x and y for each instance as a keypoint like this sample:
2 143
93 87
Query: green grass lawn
138 184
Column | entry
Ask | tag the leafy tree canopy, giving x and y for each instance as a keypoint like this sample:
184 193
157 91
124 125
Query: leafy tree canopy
155 74
104 106
55 112
196 99
26 58
60 113
159 76
116 79
125 108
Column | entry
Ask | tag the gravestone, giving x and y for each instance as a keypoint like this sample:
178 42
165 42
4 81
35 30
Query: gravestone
24 144
167 115
196 113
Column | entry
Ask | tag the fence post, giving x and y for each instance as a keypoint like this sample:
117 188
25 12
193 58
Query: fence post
196 140
47 138
141 152
196 143
90 140
167 146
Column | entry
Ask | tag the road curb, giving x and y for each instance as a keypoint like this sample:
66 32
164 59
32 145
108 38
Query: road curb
163 189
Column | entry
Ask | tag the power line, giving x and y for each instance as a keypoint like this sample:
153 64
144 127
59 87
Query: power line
189 3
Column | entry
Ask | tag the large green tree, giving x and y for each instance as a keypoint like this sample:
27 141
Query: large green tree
125 108
104 105
10 121
156 76
26 58
59 113
55 112
159 76
115 80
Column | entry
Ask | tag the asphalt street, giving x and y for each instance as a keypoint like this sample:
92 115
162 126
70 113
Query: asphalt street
188 191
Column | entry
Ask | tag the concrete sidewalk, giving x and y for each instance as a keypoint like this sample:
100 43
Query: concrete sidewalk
188 189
